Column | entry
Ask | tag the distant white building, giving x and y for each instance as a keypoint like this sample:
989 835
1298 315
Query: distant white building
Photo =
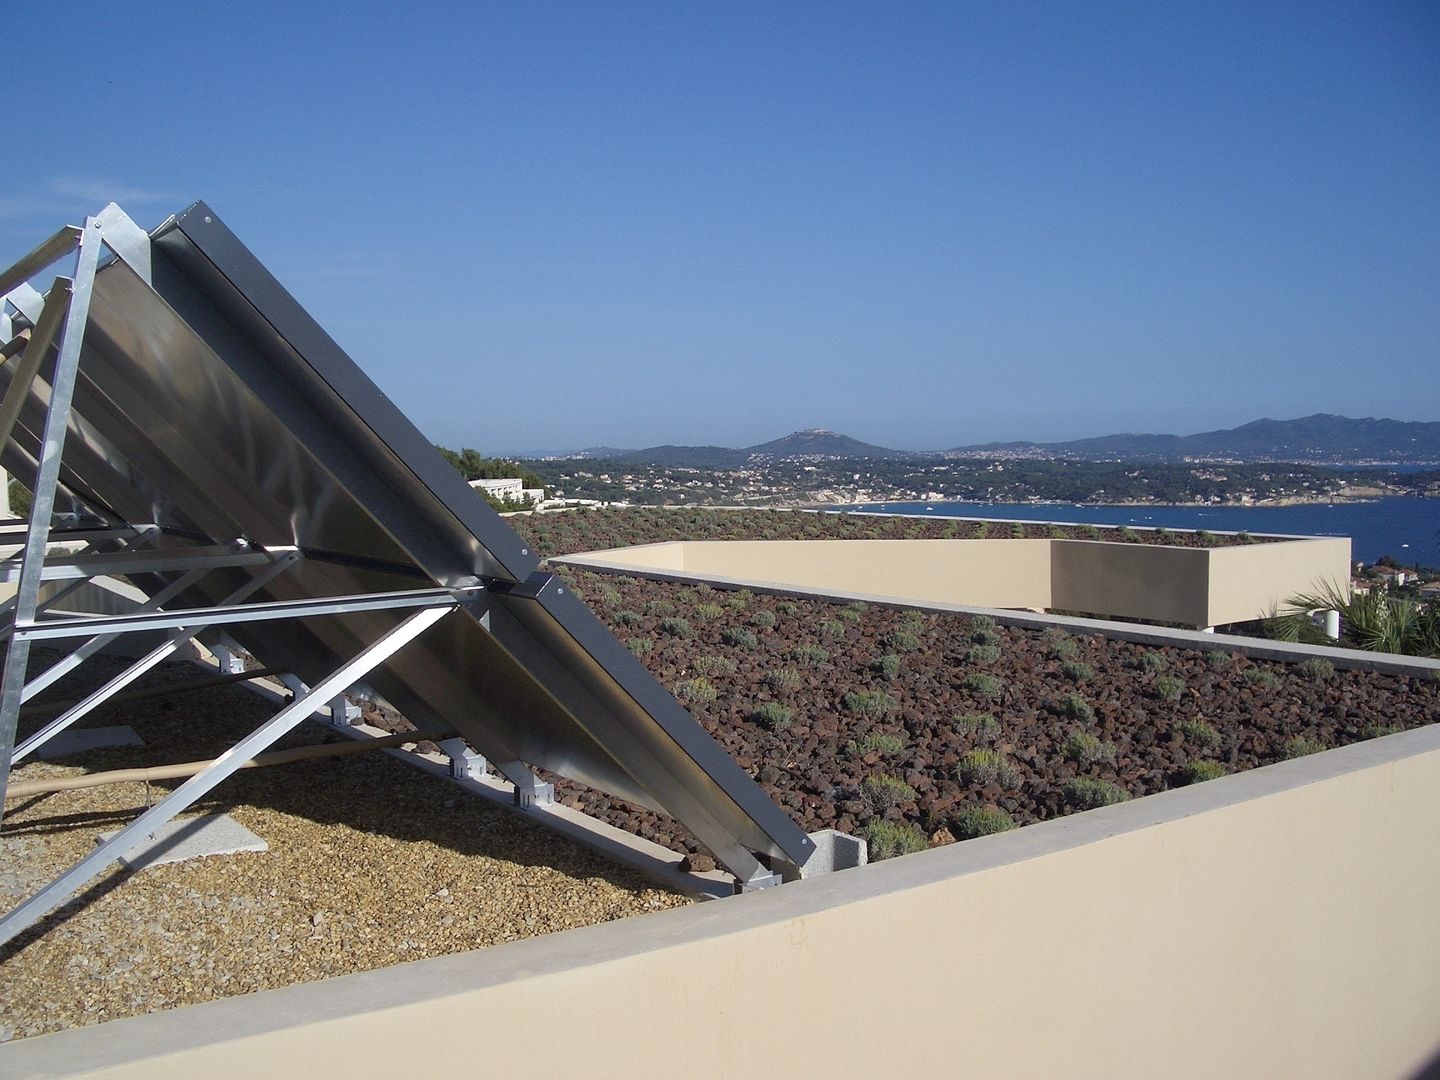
510 487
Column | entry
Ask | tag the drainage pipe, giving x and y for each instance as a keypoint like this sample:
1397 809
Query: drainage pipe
23 788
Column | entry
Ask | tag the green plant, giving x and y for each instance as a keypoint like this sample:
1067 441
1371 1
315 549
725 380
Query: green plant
1379 622
1077 671
1057 533
1301 746
902 641
886 839
976 725
1089 532
1153 662
850 615
1198 733
883 791
659 607
982 622
628 618
1017 531
763 619
1077 708
1168 688
1065 648
808 655
1218 659
738 599
708 612
983 654
1261 677
833 629
610 597
983 766
640 646
1376 731
976 821
714 665
981 530
876 743
985 635
697 690
1085 749
887 666
676 626
1197 772
984 685
784 680
739 637
772 715
870 703
1086 793
787 607
913 617
1316 668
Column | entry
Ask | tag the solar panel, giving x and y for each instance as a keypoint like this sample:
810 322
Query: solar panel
213 419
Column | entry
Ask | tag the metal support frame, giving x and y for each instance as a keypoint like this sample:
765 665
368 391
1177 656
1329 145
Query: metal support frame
68 883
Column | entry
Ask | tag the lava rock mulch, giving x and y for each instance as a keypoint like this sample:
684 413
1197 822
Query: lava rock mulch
920 728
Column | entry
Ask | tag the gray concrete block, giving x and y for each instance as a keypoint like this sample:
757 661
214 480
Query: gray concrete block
834 850
78 740
191 838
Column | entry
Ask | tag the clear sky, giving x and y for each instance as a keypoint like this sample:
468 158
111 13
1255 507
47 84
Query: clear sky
545 226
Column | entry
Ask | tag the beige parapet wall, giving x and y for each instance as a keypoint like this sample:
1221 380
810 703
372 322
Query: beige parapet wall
1277 923
1195 586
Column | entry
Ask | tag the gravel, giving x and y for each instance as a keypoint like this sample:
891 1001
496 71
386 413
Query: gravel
370 863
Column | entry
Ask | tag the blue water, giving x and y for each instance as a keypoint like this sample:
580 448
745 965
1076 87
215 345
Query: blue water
1406 528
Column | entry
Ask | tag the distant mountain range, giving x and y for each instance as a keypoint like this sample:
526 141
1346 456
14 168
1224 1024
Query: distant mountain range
1322 438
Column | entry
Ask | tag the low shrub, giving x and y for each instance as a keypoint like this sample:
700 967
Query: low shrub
986 635
1057 533
1197 772
1198 733
913 617
976 725
1261 677
1316 669
1376 731
763 619
886 839
1065 648
1153 662
675 626
1089 532
981 767
883 792
783 680
772 715
628 618
1219 659
902 641
833 629
982 622
659 608
875 743
1086 749
640 646
708 612
1077 708
807 655
738 599
983 654
849 615
1077 671
984 685
1168 688
698 690
976 821
1302 746
1086 793
1017 531
787 607
714 665
870 703
739 637
887 666
610 597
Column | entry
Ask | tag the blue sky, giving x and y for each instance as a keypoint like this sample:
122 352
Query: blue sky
544 226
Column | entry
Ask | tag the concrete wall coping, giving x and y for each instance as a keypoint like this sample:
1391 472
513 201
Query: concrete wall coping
1257 648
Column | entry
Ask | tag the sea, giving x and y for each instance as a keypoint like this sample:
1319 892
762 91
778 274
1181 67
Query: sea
1405 528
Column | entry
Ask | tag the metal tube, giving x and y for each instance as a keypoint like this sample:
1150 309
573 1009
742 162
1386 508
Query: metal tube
24 788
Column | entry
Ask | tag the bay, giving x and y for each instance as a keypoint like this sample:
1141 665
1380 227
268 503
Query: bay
1408 529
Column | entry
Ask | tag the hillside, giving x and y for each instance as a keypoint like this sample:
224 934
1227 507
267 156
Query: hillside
1323 437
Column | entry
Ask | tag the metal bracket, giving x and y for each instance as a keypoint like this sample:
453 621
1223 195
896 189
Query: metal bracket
465 764
530 790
